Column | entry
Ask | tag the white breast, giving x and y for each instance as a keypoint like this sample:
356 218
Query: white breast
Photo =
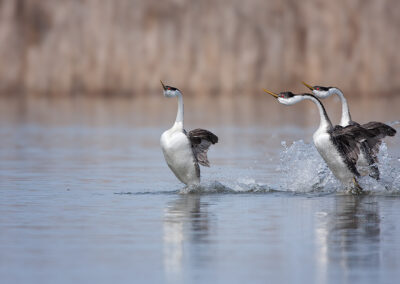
332 157
179 156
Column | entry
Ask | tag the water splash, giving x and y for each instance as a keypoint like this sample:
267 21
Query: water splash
302 169
389 167
241 186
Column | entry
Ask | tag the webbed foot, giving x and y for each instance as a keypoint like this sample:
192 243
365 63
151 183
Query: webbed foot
357 189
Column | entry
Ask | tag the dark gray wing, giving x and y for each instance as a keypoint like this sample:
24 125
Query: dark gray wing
356 131
372 146
201 140
348 141
197 169
366 136
370 136
196 163
371 158
379 129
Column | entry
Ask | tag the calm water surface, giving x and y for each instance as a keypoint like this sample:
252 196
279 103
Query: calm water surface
86 196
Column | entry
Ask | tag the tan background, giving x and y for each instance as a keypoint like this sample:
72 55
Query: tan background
123 47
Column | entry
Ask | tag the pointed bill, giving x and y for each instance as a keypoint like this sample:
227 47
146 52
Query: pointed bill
162 85
308 86
271 93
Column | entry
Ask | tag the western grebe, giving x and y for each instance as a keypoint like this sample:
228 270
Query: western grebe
338 146
184 151
370 147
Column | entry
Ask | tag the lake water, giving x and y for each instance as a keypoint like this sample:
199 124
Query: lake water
86 196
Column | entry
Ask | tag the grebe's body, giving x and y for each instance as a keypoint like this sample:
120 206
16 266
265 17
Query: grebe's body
367 160
184 151
333 157
338 146
179 156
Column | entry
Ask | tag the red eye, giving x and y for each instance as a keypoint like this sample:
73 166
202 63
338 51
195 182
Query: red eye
281 96
317 89
168 88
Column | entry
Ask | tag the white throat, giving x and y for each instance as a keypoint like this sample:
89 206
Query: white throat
179 115
346 118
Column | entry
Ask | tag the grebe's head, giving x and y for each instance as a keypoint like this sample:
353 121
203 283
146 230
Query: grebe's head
170 92
320 91
287 98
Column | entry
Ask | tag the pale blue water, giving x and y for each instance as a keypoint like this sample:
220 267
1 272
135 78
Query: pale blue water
86 197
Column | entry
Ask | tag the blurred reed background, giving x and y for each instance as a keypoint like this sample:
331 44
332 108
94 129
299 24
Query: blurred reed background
124 47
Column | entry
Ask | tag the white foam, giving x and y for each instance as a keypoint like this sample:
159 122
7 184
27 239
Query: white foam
389 168
303 170
242 186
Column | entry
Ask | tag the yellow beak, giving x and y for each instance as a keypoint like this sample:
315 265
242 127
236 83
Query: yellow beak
271 93
162 84
308 86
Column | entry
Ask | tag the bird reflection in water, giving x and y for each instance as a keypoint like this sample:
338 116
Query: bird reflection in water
186 223
349 239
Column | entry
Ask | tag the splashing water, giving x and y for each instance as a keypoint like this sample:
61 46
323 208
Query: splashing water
242 186
301 169
304 170
389 168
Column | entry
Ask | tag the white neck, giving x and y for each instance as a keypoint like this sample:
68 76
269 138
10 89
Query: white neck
325 123
346 118
179 115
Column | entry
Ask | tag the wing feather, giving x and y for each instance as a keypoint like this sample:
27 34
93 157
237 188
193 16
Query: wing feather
348 140
201 140
379 129
368 137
